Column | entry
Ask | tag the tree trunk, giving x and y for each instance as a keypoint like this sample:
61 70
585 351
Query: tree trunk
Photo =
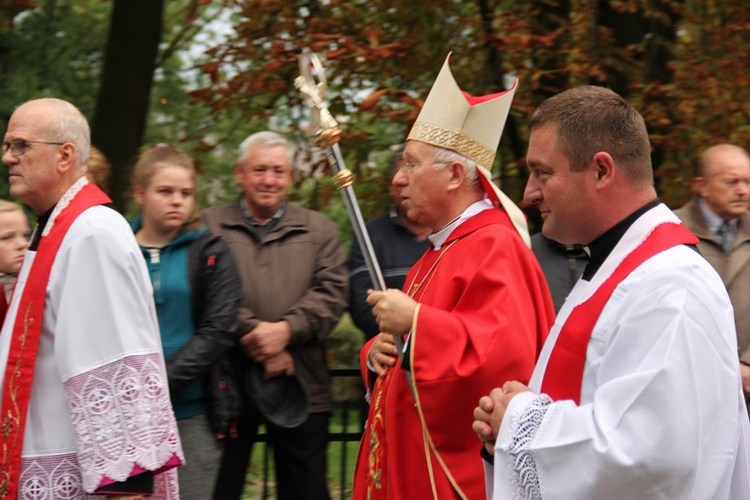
658 56
494 78
124 94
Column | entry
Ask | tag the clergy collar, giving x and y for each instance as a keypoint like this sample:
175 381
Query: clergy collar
438 238
713 220
41 222
600 248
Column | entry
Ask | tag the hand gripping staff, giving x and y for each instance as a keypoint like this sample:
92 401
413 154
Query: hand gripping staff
327 136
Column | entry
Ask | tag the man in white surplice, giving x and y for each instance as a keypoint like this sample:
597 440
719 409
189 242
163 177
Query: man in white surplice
85 407
637 393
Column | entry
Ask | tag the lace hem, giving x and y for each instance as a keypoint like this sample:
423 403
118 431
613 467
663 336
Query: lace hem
123 420
523 469
58 477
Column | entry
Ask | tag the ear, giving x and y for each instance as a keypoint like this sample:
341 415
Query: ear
604 169
138 195
699 186
457 171
67 157
239 170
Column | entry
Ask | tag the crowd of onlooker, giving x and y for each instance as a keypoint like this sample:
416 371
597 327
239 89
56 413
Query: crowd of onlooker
168 342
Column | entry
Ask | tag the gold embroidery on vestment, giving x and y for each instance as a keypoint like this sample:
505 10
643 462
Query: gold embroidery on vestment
454 140
375 461
12 418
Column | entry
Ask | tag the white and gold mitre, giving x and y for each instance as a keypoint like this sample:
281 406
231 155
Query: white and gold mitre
470 126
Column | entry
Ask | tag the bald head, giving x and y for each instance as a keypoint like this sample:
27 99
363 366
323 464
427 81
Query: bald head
712 159
49 151
724 182
63 122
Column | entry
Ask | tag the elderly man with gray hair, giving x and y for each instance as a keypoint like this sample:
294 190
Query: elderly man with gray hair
294 278
85 405
474 309
718 215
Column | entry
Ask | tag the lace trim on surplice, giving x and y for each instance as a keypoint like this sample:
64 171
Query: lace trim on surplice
61 205
58 477
523 469
123 419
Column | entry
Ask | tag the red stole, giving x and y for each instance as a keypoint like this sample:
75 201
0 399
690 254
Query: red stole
19 371
563 376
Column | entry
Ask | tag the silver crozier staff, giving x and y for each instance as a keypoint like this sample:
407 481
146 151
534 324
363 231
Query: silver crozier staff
327 137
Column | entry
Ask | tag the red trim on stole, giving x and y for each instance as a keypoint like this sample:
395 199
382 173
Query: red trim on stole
19 371
563 376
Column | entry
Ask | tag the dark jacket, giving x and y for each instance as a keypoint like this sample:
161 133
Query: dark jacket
296 273
562 265
396 250
216 294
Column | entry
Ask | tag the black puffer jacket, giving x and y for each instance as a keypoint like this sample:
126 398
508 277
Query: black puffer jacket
216 293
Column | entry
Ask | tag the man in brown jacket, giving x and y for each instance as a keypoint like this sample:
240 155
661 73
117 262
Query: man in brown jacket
718 216
294 278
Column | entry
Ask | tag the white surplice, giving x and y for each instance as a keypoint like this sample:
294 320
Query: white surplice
99 403
661 412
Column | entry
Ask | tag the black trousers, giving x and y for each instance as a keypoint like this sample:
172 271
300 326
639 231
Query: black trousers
300 458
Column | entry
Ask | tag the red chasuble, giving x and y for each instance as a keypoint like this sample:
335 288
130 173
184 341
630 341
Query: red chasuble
483 315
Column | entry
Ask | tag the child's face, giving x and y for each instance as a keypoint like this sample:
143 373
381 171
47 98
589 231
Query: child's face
168 200
14 238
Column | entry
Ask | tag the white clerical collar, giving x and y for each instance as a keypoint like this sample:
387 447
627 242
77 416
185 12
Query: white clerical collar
712 219
438 238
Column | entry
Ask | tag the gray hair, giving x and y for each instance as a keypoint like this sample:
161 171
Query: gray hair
69 125
264 139
443 157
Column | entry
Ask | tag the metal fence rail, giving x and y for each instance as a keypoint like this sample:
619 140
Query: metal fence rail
346 413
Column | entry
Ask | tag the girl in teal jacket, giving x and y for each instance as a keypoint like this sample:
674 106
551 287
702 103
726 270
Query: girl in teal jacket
197 293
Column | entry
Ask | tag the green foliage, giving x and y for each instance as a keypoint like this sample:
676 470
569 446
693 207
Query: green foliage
343 345
54 50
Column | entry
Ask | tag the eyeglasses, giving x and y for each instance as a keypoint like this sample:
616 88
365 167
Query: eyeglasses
17 147
409 167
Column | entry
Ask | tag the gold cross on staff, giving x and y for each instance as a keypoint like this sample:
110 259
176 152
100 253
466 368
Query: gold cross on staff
313 94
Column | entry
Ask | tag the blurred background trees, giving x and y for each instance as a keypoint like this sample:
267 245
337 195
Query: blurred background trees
204 74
